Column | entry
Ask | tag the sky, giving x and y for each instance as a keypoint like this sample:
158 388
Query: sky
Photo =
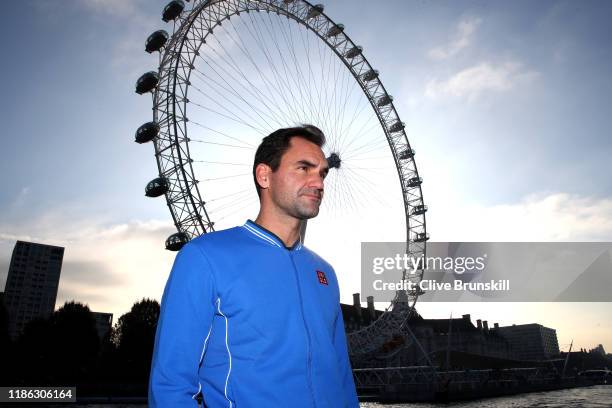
506 103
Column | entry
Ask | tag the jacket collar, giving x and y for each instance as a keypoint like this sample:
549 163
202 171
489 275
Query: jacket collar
270 237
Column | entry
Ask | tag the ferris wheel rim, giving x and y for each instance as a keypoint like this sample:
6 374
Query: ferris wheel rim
182 166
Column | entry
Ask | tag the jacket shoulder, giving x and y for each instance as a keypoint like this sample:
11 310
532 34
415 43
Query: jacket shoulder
317 258
217 238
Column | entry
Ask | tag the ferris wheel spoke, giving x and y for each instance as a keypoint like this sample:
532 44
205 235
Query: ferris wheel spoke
344 192
317 84
218 144
271 97
248 145
248 204
281 57
252 89
344 129
313 112
232 116
314 107
216 162
235 203
348 86
335 101
365 188
372 148
262 45
226 196
287 34
230 91
226 177
268 83
376 139
328 97
346 187
234 92
356 113
374 159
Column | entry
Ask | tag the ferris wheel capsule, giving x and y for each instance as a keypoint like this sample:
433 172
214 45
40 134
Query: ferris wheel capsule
176 241
397 127
384 100
173 10
147 82
314 11
156 187
156 41
353 52
370 75
147 132
335 30
419 209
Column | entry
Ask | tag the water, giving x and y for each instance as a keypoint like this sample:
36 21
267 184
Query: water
599 396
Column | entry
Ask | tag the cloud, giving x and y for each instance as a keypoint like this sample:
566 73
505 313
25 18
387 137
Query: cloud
108 265
538 217
484 77
461 39
115 8
127 55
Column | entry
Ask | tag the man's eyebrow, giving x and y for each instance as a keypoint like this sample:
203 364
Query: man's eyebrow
306 163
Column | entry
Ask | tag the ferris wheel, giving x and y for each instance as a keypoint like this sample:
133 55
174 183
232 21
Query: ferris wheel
231 72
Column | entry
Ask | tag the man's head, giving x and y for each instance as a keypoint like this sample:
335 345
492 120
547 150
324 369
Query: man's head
289 169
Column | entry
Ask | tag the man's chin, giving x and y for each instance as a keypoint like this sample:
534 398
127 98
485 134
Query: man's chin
306 214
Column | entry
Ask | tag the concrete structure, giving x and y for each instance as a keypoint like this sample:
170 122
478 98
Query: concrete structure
104 322
436 336
459 335
532 342
32 282
357 317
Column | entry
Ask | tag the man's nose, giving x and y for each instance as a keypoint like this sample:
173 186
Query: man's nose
316 181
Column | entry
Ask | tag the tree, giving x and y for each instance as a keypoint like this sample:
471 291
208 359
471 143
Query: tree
134 335
34 350
75 342
60 349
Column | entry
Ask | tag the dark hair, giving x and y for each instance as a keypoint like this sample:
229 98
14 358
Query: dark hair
273 146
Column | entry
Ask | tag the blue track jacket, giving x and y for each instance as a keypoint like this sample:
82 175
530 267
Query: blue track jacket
249 323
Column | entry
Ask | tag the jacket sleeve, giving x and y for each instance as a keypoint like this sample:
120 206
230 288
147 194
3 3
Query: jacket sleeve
344 364
185 319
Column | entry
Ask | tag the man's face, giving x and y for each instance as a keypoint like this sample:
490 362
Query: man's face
296 187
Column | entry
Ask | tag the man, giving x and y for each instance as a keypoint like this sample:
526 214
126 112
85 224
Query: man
250 317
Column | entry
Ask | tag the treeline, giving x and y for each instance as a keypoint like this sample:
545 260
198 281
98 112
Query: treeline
65 350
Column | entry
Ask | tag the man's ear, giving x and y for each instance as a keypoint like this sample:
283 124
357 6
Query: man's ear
262 175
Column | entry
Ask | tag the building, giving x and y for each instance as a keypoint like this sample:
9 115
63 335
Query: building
531 341
31 285
357 317
460 335
104 322
435 338
598 350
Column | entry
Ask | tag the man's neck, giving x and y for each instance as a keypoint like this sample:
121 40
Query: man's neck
286 228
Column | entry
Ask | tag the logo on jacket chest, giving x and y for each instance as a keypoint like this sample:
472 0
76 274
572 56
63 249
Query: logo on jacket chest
322 277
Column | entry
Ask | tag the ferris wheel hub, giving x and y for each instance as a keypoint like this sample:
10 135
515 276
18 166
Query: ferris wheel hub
334 161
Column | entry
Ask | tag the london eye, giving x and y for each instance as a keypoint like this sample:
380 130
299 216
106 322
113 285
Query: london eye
232 71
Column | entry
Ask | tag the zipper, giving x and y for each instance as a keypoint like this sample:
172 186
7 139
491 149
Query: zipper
309 363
